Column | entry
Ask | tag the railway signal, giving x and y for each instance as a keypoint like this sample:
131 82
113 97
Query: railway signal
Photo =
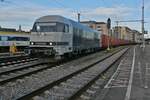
108 23
109 27
79 17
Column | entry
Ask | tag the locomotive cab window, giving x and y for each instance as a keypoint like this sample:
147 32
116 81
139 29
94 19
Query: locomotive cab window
50 27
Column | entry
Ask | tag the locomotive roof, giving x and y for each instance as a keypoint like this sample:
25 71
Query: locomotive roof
53 18
81 26
57 18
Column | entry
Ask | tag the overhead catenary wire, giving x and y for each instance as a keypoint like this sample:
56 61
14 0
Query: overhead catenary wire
74 11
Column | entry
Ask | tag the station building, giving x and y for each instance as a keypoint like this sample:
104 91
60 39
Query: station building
99 26
123 32
137 36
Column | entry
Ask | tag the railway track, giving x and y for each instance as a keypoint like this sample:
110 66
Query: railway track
16 68
9 55
20 71
27 83
72 86
14 60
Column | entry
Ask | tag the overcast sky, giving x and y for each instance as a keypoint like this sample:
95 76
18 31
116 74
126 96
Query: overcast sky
24 12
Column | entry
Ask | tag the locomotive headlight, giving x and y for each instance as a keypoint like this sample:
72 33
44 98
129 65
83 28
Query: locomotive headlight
32 43
50 43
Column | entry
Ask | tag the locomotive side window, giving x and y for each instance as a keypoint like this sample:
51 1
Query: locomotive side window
96 36
62 27
75 30
66 28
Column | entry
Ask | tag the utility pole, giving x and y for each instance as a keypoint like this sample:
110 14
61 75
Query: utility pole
142 22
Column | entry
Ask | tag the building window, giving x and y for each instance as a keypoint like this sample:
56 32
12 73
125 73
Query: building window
91 26
99 30
98 26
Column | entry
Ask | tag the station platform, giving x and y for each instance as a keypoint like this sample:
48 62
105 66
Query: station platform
131 81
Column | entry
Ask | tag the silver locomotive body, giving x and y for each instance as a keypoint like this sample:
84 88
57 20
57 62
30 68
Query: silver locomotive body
51 35
56 35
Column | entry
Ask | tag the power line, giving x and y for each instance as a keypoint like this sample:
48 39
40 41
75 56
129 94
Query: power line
73 11
64 6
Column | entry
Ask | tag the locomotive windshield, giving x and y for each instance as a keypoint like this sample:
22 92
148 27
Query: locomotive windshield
50 27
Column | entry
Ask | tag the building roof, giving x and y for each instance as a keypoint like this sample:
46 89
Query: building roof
100 23
137 32
93 22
